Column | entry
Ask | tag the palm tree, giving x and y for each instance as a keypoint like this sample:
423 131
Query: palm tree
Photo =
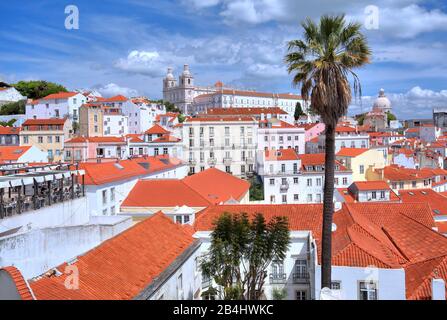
322 63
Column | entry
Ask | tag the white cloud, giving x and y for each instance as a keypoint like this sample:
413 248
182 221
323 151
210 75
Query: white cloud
149 63
113 89
415 103
266 70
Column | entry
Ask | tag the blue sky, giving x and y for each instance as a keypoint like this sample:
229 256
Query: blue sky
126 46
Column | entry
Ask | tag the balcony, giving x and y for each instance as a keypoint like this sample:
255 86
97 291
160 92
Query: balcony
277 278
192 162
301 277
250 160
227 161
33 190
212 161
284 187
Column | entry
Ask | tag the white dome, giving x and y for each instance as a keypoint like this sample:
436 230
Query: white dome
169 75
382 102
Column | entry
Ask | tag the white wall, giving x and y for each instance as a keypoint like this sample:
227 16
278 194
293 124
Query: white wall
391 282
36 251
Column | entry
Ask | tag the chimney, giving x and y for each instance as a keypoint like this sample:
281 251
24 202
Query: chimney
438 289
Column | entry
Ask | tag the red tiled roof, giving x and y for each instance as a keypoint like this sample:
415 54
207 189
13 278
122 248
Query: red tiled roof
351 152
198 190
217 119
118 98
123 266
396 173
156 129
371 185
436 201
339 129
20 282
281 155
163 193
228 186
50 121
244 111
166 138
316 159
60 95
107 172
9 130
12 153
105 139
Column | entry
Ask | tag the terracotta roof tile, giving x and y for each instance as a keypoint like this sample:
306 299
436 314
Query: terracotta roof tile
20 282
123 266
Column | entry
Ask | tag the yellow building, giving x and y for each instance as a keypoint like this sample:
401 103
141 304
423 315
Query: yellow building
362 162
91 120
48 135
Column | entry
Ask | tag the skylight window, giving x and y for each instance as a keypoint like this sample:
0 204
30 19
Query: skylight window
118 166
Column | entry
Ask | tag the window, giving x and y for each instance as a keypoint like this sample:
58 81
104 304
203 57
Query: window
180 287
277 269
295 180
367 290
186 218
300 271
318 197
296 197
309 198
227 169
401 185
295 168
104 196
178 219
336 285
284 198
57 139
309 182
300 295
40 139
318 181
156 152
413 184
227 130
336 181
25 139
374 195
112 210
283 168
104 212
165 150
272 182
112 194
345 181
242 168
382 194
362 169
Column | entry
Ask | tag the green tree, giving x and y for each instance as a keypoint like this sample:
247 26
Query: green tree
360 118
38 89
181 118
390 117
256 189
298 111
9 123
13 108
240 252
322 63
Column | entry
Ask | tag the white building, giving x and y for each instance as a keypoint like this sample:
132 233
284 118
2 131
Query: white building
115 122
345 137
292 178
228 144
57 105
9 95
274 134
192 99
141 114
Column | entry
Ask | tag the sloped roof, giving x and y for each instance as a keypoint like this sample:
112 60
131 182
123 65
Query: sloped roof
351 152
60 95
123 266
281 155
20 282
11 153
156 129
226 188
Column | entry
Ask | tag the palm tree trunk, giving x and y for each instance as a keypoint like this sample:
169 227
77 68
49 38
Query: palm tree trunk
328 206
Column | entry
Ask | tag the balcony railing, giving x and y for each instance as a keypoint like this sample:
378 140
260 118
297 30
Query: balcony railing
301 277
276 278
227 161
284 186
